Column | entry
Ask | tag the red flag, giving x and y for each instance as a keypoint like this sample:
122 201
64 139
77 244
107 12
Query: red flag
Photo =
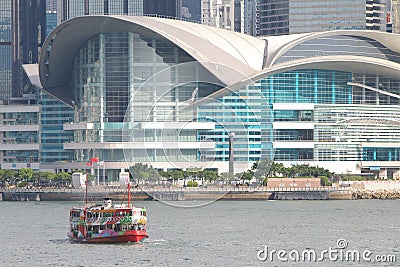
88 163
94 159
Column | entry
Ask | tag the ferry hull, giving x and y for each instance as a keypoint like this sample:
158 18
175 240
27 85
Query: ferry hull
127 237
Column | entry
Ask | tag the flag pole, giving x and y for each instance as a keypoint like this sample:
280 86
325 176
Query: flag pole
86 183
129 193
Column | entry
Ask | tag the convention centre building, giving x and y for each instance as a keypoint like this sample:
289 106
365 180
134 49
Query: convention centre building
172 93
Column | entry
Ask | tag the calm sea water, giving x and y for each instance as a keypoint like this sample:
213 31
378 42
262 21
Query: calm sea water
224 233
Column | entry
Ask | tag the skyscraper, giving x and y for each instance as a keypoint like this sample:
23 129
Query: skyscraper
218 13
235 15
5 49
191 10
21 36
68 9
395 16
278 17
171 8
29 33
51 15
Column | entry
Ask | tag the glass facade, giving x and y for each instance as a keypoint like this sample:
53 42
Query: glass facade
329 119
123 81
279 17
19 134
51 21
75 8
238 113
53 115
308 86
310 115
171 8
5 50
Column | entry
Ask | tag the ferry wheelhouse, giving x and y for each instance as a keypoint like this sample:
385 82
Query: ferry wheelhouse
107 223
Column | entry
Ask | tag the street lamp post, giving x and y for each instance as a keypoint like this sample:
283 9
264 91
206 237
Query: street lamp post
231 156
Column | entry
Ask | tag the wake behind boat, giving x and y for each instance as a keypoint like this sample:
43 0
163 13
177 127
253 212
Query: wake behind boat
107 222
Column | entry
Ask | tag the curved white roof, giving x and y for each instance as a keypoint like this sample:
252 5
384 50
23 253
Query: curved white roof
233 58
279 45
199 39
228 55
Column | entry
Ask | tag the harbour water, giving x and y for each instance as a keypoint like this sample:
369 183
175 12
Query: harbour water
223 233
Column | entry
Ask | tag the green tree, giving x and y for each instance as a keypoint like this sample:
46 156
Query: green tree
262 168
177 175
325 181
25 173
64 177
140 171
144 175
247 175
36 176
164 174
227 177
48 176
2 175
210 175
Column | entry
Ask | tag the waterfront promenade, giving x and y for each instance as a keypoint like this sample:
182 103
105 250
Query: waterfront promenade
176 193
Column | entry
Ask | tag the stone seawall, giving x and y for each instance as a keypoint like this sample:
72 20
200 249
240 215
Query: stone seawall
195 194
376 194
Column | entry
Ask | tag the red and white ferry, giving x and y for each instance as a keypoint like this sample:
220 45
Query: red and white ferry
107 222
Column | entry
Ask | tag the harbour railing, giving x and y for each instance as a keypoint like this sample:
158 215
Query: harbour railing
106 189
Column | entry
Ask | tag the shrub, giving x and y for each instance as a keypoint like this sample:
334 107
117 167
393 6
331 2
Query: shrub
22 184
192 184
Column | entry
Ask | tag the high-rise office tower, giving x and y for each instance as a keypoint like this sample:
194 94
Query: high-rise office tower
5 49
235 15
218 13
278 17
29 33
51 5
394 16
171 8
249 17
21 36
68 9
191 10
51 15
